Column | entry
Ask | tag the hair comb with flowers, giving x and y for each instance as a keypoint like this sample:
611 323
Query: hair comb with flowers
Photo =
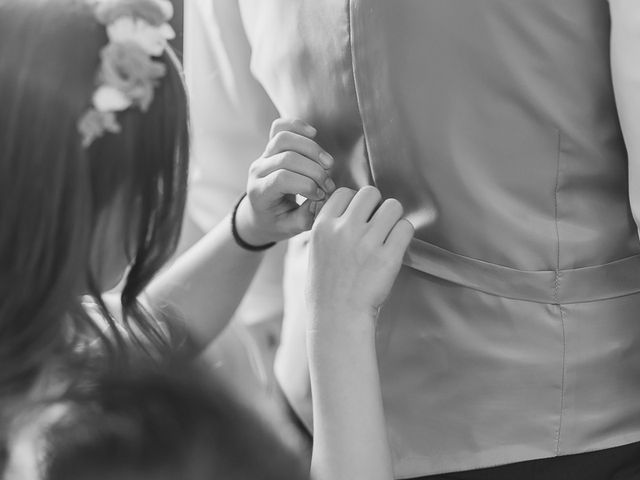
138 31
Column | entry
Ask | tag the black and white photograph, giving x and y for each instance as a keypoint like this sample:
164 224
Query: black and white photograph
319 239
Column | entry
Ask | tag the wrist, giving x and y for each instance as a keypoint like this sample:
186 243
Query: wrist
336 324
340 347
246 225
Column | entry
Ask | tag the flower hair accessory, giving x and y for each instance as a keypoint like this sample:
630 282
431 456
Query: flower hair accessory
138 31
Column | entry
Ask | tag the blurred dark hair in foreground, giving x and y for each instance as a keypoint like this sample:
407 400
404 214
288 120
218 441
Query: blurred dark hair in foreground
171 424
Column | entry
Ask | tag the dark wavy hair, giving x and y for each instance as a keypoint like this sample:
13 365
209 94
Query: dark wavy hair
52 190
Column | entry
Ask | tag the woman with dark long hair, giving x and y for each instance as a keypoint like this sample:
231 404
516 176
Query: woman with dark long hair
57 194
93 174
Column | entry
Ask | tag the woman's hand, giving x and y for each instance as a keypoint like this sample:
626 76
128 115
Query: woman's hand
357 246
356 250
292 164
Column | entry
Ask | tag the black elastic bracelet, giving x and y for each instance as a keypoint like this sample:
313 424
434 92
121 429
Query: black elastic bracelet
236 236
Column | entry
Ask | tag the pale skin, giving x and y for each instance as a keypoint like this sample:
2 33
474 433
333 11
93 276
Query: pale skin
205 285
357 246
213 275
356 250
625 52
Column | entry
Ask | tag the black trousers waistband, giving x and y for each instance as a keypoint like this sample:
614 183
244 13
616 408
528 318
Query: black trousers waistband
620 463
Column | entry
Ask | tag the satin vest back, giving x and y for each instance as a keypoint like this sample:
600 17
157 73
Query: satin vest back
511 333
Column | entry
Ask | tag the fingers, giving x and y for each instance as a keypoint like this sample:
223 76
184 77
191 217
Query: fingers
384 220
400 237
285 141
363 205
385 223
336 205
296 163
292 125
284 182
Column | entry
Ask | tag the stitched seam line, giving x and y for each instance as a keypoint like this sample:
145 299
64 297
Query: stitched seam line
564 354
556 293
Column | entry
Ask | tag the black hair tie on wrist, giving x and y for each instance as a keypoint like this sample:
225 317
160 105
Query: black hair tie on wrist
236 236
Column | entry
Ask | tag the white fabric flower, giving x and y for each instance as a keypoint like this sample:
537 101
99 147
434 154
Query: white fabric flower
109 99
167 8
153 40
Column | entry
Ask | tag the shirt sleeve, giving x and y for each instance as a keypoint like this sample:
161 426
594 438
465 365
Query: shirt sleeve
231 116
230 112
625 68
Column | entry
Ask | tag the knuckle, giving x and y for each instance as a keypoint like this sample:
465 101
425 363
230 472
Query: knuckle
288 158
277 123
285 177
271 147
252 187
253 192
279 177
254 168
280 139
318 174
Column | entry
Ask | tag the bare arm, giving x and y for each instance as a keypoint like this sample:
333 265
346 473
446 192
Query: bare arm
206 284
230 119
353 264
625 67
350 438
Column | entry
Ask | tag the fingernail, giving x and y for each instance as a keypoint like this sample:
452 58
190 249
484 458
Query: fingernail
326 159
329 185
309 130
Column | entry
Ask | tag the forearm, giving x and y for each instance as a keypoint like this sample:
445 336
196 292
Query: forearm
625 66
205 285
350 440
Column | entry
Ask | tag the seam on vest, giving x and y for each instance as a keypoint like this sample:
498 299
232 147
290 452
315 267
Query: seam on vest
556 292
564 370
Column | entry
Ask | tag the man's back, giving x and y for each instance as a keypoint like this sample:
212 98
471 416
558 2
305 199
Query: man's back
512 328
